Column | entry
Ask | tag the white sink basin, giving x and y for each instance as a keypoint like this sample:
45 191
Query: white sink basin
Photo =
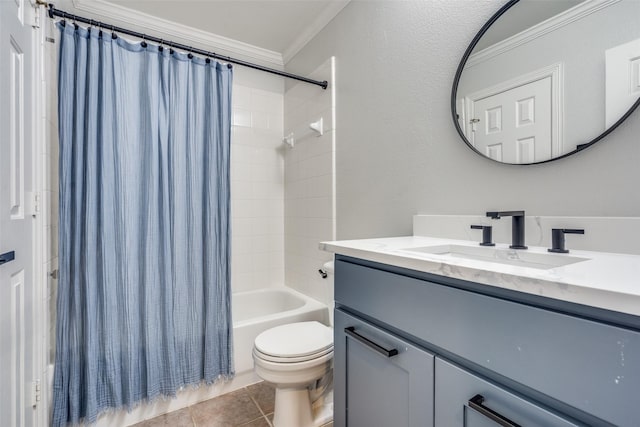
515 257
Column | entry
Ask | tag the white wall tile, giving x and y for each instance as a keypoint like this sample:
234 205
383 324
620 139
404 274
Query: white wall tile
241 189
240 264
260 120
241 117
260 262
241 245
257 192
241 97
265 101
242 280
276 122
260 243
276 275
308 191
240 226
241 208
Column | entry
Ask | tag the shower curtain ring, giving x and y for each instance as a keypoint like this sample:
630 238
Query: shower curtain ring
160 47
144 43
113 34
68 16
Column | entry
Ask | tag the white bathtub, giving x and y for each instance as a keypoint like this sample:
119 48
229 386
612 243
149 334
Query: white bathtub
256 311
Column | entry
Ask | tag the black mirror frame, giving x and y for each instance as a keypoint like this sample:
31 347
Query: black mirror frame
456 81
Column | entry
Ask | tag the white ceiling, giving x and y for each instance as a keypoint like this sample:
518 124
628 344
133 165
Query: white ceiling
275 25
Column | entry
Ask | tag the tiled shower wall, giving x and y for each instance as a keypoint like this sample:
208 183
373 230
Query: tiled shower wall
309 185
257 185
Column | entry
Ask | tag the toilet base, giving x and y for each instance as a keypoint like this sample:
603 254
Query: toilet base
292 408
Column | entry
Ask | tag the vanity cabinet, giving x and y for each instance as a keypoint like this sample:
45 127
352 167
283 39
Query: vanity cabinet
533 365
384 381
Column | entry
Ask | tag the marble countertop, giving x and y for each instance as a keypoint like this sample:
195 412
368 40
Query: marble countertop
606 280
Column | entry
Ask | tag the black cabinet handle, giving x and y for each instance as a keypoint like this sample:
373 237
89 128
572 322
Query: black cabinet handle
351 331
7 256
476 403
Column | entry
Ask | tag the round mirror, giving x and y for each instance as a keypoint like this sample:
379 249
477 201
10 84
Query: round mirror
546 79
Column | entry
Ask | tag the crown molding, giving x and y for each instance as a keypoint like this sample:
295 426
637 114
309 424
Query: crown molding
144 22
312 30
552 24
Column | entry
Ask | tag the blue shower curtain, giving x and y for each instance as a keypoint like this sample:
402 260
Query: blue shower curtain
144 290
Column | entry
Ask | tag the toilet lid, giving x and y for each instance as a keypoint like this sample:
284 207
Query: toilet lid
295 340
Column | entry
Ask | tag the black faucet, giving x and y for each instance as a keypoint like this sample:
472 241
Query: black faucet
517 227
557 236
486 234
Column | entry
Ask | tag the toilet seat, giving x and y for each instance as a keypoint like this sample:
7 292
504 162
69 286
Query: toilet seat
293 369
295 359
294 342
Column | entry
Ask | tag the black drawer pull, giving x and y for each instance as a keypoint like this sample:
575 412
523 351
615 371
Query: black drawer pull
476 403
7 256
351 331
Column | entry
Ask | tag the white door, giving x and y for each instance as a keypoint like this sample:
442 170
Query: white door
622 79
514 125
16 223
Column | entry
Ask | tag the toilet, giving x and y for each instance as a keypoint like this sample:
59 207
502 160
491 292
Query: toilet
298 359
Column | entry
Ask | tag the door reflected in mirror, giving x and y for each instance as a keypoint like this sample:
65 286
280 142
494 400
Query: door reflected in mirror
545 79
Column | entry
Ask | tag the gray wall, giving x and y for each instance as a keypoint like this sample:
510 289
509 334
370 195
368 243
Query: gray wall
397 152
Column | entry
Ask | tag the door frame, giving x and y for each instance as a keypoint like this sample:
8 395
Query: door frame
554 71
41 211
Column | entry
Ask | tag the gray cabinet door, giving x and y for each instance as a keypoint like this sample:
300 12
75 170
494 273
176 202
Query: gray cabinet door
455 387
374 389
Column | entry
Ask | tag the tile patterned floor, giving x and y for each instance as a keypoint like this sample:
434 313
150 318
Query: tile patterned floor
251 406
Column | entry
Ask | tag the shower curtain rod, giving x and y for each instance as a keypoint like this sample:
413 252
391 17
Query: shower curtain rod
65 15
